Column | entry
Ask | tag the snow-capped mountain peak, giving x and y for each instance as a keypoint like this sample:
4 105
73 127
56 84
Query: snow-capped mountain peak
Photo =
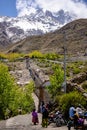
35 23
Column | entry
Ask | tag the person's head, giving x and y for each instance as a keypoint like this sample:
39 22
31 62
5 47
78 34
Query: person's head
78 106
34 110
74 111
43 103
72 105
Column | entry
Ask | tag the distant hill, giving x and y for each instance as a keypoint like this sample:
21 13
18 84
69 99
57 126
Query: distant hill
73 36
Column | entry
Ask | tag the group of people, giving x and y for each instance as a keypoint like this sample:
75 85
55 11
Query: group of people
75 116
44 112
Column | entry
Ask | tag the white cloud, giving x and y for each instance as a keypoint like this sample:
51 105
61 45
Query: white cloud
76 6
24 7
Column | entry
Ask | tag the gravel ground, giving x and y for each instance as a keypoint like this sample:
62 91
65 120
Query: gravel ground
23 122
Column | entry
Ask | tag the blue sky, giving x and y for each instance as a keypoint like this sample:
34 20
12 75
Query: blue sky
8 8
15 8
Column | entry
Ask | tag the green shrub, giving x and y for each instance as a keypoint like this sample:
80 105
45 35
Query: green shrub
13 56
84 85
76 70
69 99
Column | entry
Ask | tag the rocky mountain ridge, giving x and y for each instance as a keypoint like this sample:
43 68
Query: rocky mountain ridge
38 23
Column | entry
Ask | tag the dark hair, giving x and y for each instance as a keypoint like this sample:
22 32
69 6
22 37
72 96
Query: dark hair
34 109
43 103
74 111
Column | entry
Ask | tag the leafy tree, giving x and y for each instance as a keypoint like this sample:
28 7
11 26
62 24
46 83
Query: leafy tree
14 56
11 96
36 54
22 99
3 56
26 101
56 80
6 84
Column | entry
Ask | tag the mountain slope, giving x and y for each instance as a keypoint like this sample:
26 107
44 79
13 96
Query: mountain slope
73 36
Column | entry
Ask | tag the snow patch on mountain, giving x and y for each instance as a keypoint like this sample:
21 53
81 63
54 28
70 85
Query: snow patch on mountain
35 24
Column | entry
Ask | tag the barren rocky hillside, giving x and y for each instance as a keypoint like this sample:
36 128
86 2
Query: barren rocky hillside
73 36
